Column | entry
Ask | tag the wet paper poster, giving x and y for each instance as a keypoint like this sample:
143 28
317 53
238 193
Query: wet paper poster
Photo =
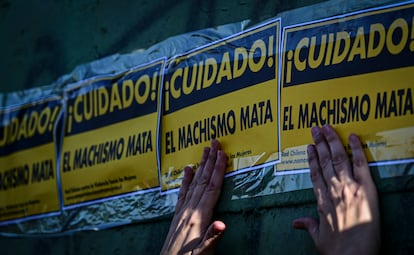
226 91
28 181
109 144
355 72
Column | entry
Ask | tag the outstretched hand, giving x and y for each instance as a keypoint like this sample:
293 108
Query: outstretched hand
346 197
191 230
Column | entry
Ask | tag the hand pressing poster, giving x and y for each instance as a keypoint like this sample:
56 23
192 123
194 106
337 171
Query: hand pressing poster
226 91
355 72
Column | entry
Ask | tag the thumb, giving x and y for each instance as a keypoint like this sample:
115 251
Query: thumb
210 239
309 224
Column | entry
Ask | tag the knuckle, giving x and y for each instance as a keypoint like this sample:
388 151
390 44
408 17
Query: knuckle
312 157
181 196
212 187
321 209
318 137
314 177
204 180
325 162
359 162
212 157
192 186
192 221
339 159
314 174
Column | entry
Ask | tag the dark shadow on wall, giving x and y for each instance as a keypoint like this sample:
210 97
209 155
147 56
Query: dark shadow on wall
205 14
142 24
48 63
49 59
199 10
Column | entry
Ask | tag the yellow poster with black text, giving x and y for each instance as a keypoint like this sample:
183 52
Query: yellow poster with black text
109 145
355 73
226 91
28 182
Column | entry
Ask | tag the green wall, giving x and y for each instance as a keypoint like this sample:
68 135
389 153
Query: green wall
42 40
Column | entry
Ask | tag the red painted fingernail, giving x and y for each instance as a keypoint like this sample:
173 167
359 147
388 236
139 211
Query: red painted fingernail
298 225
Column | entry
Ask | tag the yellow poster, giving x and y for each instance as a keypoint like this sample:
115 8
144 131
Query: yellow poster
355 72
28 181
226 91
109 144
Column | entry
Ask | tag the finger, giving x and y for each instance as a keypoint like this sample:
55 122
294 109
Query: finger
204 158
361 168
211 238
182 195
340 160
363 177
319 186
198 173
309 224
315 171
212 192
325 160
207 170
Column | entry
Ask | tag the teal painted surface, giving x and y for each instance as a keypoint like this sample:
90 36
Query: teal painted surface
44 40
49 39
259 231
254 226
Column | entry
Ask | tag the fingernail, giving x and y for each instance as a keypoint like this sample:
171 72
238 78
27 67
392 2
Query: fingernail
310 149
188 170
298 224
353 138
327 128
218 227
315 131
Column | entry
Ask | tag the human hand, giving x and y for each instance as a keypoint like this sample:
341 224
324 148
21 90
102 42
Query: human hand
346 197
190 231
